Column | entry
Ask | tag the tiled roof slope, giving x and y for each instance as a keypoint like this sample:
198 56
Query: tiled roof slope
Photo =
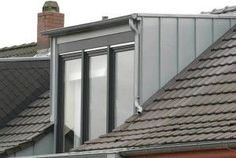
24 102
27 127
21 82
198 105
24 50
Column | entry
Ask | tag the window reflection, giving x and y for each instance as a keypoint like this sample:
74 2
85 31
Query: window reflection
72 110
124 86
97 95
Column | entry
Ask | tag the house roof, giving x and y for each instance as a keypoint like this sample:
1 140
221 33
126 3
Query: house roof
24 111
27 127
24 50
198 105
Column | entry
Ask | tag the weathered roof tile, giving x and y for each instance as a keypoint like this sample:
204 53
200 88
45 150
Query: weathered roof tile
24 50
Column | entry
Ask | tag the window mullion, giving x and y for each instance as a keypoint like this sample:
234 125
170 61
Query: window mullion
110 89
85 98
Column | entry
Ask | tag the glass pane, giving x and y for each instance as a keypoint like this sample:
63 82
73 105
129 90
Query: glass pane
124 86
73 98
97 95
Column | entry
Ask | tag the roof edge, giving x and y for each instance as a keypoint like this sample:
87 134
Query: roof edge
122 20
89 26
169 148
18 46
183 147
217 16
24 59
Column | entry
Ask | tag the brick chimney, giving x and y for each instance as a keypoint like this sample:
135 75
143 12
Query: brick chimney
50 18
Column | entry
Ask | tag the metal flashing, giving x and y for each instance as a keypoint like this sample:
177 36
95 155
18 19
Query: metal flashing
210 16
123 20
24 59
88 26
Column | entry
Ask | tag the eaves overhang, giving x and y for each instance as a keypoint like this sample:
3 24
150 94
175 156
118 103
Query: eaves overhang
90 26
146 150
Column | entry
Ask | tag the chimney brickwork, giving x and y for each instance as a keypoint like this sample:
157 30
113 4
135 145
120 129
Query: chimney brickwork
50 18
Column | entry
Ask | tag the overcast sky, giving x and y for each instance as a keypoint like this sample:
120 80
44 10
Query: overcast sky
19 17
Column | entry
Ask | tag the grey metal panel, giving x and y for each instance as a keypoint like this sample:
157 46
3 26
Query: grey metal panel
203 34
26 152
220 27
93 34
150 54
168 48
45 145
233 22
186 42
97 42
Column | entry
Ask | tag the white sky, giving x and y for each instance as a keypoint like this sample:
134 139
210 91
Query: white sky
19 17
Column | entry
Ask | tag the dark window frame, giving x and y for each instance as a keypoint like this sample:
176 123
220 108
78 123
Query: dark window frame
84 55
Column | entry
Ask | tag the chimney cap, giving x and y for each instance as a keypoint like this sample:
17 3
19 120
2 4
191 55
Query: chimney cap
50 6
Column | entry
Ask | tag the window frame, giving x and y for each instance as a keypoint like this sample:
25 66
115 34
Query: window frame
110 51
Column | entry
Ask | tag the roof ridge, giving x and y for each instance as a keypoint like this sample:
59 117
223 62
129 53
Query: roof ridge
18 46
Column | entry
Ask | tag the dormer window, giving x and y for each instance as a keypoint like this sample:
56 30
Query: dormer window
97 91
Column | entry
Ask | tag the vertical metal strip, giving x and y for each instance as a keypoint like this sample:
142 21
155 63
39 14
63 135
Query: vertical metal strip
177 43
195 38
110 89
213 30
56 67
159 51
85 98
59 124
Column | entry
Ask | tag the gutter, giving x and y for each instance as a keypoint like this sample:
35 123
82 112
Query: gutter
181 147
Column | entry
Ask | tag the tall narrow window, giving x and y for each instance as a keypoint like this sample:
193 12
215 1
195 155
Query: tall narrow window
72 108
97 95
124 86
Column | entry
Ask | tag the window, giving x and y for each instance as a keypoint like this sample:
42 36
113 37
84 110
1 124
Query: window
124 86
96 93
72 102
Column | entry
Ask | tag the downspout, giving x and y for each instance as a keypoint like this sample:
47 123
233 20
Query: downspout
134 25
